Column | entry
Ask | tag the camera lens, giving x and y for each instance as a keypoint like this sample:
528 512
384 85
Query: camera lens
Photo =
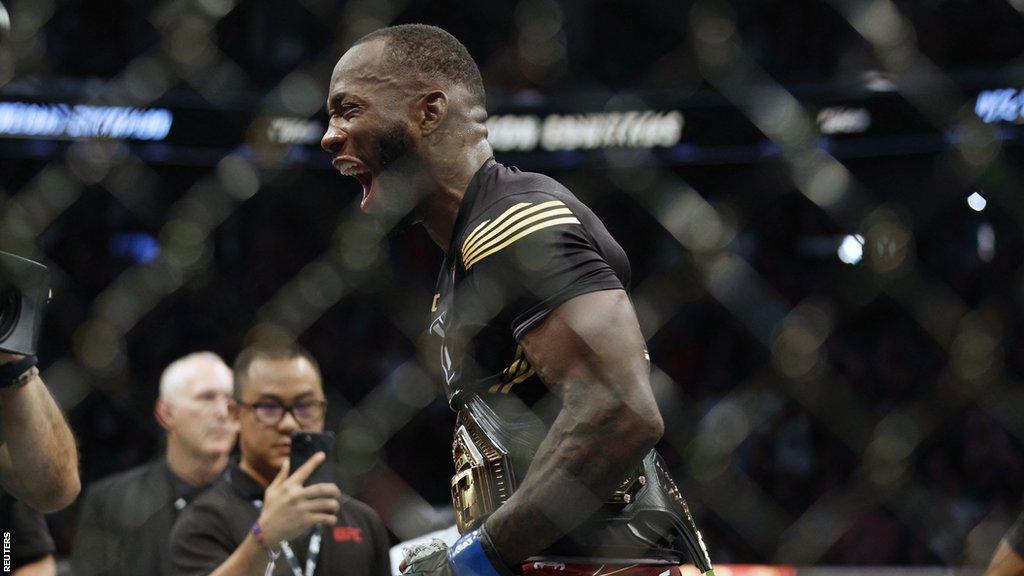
10 310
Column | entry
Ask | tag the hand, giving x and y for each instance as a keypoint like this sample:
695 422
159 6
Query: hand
427 559
424 555
471 555
291 509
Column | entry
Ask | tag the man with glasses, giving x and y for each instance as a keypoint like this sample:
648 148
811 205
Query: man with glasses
258 519
125 520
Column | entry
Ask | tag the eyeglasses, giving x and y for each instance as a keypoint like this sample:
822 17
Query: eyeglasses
305 412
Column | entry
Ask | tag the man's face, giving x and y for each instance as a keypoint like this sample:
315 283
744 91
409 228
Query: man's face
199 411
368 135
286 382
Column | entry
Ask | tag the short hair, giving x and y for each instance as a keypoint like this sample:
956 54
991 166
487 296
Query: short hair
177 373
246 358
433 53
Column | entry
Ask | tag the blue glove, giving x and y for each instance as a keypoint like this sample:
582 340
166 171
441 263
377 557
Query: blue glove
471 555
474 555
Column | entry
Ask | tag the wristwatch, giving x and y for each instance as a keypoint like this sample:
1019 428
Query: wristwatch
18 373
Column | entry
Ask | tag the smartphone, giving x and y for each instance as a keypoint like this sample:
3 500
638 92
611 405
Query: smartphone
304 445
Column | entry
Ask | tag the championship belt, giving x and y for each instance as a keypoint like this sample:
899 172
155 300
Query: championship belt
485 468
645 517
484 478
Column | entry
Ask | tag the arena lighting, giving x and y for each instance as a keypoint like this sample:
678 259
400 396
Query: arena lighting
977 202
81 121
843 120
137 247
294 131
630 129
986 242
1000 105
851 250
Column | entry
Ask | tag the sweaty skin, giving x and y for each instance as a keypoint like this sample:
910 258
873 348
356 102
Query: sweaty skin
589 350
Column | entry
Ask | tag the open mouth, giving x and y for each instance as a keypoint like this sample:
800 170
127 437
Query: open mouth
349 166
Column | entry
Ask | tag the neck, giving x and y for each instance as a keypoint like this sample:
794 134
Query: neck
442 208
195 469
262 479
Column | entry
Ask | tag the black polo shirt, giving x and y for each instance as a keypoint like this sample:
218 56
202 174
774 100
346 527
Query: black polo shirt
522 245
124 522
29 538
210 530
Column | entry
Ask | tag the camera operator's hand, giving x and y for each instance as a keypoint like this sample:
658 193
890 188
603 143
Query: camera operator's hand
291 509
38 458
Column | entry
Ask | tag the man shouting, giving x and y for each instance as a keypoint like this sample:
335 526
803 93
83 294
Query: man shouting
540 347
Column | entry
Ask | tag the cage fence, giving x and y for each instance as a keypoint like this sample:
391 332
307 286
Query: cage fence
837 366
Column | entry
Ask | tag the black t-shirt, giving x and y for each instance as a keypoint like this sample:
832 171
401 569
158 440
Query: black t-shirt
210 530
522 245
124 522
24 530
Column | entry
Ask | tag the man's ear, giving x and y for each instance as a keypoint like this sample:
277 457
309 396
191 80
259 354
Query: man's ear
434 108
164 414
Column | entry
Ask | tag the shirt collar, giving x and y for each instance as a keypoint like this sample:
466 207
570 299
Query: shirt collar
242 484
466 205
179 487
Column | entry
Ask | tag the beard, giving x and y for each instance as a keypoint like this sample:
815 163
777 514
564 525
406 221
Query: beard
397 158
394 145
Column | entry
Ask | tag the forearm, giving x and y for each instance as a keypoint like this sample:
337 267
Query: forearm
249 559
39 463
589 352
577 467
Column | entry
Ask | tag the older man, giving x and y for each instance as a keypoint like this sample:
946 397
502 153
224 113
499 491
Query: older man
125 521
541 350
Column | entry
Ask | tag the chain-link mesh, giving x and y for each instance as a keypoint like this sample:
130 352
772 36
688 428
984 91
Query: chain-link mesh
817 412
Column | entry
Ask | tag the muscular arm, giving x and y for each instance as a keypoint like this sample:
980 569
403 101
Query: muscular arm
38 460
1005 562
591 353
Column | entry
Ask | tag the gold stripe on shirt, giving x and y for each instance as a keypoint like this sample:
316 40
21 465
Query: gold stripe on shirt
511 228
495 246
501 223
485 226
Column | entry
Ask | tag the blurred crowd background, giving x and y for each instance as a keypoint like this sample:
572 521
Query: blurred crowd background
827 260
